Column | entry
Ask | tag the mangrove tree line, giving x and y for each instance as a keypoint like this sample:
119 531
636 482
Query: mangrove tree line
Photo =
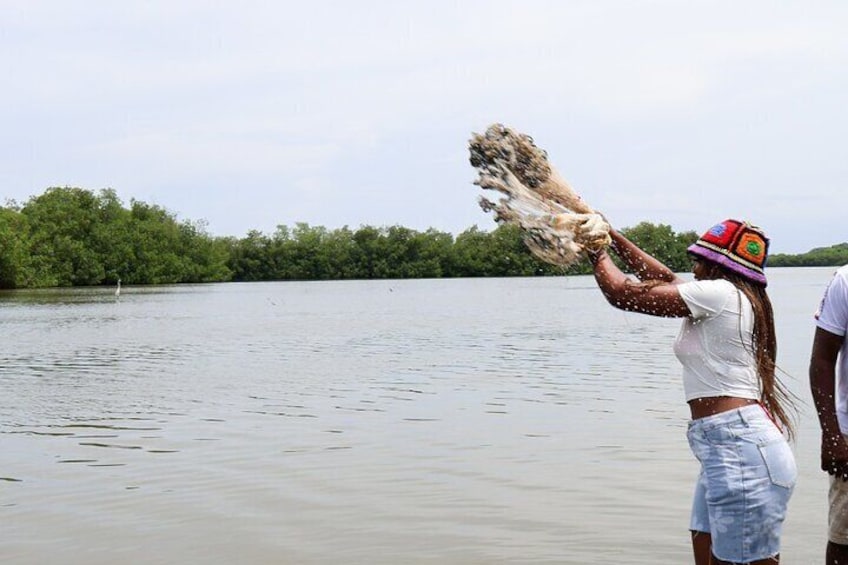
75 237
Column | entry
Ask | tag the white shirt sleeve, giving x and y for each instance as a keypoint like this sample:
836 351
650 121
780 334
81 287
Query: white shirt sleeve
706 298
833 312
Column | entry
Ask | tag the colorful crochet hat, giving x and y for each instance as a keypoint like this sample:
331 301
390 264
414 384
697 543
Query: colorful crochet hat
735 245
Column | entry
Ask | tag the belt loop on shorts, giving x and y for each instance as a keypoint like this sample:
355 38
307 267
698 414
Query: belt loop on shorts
742 416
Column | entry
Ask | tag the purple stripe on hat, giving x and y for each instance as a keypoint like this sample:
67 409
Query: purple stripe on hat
728 262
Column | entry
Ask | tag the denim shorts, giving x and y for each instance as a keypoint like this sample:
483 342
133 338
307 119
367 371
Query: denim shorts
747 476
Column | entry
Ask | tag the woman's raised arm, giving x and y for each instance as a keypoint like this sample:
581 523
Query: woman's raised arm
646 267
655 297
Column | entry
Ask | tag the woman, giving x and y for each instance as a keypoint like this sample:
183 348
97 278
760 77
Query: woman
727 347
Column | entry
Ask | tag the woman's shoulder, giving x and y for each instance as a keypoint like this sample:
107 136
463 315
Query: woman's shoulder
707 298
841 274
713 286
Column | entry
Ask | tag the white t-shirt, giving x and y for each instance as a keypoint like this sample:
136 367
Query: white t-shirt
715 344
833 317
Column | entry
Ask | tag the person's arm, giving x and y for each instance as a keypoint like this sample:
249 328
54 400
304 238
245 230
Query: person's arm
659 299
644 266
834 451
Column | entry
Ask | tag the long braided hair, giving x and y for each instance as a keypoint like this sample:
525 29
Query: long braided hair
774 396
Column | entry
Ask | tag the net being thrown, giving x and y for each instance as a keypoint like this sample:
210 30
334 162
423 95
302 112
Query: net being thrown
556 224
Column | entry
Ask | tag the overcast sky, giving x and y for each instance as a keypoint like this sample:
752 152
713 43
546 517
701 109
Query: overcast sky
252 114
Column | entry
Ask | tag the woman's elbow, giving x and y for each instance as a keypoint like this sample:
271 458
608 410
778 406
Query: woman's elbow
618 299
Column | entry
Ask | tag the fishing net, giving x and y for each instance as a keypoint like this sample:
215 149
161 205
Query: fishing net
556 224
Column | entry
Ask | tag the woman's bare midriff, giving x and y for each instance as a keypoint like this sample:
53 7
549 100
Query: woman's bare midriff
707 406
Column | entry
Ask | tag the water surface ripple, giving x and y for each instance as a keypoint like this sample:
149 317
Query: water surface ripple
429 421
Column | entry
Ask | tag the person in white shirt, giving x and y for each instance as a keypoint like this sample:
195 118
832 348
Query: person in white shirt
829 387
741 415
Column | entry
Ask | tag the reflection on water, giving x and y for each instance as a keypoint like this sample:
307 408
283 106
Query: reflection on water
438 421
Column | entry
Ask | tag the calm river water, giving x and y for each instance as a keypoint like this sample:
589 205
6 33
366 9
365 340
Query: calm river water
382 422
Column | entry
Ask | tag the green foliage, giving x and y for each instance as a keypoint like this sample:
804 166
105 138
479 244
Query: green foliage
315 253
15 264
72 236
500 253
251 258
110 240
663 243
818 257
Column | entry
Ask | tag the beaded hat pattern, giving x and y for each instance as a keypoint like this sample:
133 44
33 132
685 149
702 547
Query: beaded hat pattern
735 245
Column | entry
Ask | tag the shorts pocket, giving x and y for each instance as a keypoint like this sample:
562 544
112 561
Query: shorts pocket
780 463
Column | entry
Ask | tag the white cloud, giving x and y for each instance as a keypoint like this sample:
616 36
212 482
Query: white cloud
305 106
